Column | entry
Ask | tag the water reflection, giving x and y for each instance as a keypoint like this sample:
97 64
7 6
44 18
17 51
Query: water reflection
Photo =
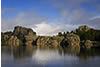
47 56
86 54
43 56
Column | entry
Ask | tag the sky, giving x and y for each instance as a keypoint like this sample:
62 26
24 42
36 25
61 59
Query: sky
48 17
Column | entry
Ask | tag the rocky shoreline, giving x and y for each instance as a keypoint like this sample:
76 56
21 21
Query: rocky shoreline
22 36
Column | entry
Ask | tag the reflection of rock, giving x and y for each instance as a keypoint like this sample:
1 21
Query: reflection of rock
71 51
86 54
71 41
21 52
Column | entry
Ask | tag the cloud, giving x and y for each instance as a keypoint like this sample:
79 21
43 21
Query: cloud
42 26
38 23
71 15
52 29
21 19
95 22
95 17
4 26
77 16
75 11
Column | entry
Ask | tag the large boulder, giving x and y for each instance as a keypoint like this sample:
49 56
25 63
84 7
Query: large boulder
26 35
71 41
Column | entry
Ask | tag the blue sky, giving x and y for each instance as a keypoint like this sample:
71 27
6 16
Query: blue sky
40 6
52 15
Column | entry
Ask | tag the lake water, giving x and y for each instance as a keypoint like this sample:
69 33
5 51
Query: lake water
48 57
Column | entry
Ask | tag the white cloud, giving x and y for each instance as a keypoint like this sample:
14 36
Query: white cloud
22 19
52 29
39 24
69 20
95 17
47 29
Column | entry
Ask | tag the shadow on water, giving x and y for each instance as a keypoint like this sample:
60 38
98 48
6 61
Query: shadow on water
86 54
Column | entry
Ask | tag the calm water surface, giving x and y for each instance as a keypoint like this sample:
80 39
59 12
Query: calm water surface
48 57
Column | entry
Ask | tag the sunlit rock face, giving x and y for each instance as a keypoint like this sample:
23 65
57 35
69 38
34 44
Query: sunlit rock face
10 40
22 30
5 37
13 40
49 41
89 44
71 41
84 28
20 36
26 35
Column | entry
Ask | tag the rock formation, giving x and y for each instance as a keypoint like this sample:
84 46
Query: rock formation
14 41
4 39
84 28
49 41
71 41
88 44
20 36
26 35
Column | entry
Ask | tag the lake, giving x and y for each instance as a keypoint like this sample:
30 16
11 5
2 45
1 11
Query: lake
25 56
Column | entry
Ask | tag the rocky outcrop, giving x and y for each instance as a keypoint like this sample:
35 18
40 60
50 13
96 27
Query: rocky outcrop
26 35
13 41
4 39
9 39
84 28
22 30
71 41
49 41
30 39
90 44
20 36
